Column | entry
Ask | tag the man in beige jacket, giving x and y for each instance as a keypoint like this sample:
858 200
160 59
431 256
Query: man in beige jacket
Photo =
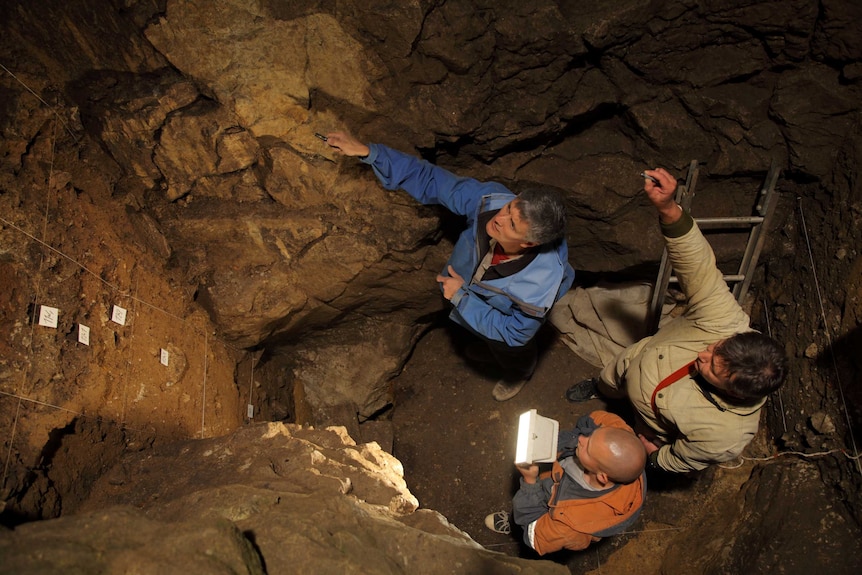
699 383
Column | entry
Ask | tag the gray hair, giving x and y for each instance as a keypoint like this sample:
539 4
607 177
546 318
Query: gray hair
545 214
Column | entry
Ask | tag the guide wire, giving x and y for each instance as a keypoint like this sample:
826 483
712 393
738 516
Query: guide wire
25 373
204 395
119 291
23 399
826 330
251 384
3 493
743 459
856 456
38 97
44 242
769 332
20 394
61 254
130 349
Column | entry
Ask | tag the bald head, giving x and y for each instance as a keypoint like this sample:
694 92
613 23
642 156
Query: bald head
619 453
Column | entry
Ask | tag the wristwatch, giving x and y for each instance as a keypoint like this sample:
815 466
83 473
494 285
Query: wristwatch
652 462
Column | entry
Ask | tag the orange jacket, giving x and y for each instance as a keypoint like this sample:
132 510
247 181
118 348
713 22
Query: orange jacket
572 523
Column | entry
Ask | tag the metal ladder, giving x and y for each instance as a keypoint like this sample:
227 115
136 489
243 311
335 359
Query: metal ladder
756 225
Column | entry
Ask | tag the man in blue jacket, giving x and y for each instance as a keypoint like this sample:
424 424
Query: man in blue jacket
509 265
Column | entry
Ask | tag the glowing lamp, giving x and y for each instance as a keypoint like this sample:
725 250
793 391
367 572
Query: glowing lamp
537 438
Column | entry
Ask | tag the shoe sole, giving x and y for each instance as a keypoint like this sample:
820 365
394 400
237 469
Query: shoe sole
503 392
570 400
490 523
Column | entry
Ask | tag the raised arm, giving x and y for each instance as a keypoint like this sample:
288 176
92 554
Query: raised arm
426 182
710 302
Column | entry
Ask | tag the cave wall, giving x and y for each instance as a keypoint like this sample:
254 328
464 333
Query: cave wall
70 243
160 155
270 498
813 295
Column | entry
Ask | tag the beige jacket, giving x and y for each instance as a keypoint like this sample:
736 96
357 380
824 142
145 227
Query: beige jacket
696 427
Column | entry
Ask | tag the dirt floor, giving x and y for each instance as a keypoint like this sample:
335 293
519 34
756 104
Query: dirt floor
457 445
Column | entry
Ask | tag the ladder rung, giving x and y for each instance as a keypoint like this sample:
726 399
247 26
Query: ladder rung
727 278
766 201
738 221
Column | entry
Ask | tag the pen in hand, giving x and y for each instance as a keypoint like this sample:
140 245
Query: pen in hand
652 179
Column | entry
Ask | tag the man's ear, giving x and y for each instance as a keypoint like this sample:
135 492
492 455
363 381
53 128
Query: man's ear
602 477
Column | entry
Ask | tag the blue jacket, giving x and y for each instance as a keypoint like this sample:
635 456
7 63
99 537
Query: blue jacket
510 308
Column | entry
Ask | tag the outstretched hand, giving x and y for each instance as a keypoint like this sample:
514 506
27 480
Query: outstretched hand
661 194
451 283
346 144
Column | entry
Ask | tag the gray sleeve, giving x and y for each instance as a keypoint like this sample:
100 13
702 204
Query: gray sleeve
531 501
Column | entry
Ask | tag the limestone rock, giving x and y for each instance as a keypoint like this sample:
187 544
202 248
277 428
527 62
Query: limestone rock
295 499
123 540
342 368
264 68
126 111
201 141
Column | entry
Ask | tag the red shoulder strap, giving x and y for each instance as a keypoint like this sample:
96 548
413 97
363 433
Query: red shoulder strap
672 378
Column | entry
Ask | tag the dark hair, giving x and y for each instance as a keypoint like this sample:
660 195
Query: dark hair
545 213
756 364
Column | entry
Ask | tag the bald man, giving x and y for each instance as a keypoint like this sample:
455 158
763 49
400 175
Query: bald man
595 489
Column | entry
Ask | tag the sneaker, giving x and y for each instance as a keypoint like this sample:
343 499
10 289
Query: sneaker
499 522
583 391
504 390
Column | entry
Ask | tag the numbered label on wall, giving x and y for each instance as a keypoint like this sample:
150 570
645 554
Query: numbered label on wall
118 315
48 316
83 334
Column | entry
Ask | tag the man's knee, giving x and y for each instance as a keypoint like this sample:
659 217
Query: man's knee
610 385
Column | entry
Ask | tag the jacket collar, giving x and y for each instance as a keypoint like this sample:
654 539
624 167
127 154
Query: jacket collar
725 403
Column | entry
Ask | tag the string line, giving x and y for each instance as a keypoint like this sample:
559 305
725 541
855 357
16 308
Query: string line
828 334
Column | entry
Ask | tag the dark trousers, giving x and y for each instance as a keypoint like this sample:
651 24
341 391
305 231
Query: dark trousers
517 362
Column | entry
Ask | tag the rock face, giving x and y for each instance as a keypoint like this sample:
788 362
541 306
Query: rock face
209 111
270 498
160 156
766 530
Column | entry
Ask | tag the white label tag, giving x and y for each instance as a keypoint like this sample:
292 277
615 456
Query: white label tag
83 334
118 315
250 411
163 358
48 316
